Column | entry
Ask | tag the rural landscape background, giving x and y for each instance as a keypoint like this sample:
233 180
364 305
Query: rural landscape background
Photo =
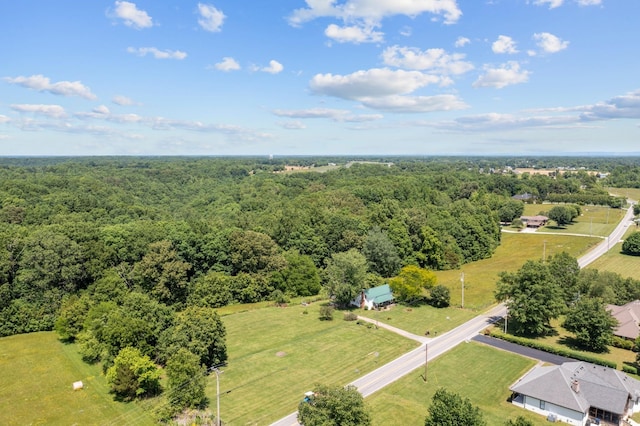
236 260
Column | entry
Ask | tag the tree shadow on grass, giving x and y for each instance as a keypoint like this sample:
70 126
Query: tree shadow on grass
572 343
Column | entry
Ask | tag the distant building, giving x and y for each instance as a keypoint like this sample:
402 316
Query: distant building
578 393
628 317
523 197
374 298
534 221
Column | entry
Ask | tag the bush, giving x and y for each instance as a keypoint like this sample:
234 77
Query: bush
326 313
621 343
632 244
350 316
630 369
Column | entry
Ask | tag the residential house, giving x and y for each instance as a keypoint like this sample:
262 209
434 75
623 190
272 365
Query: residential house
628 317
374 298
523 197
578 393
534 221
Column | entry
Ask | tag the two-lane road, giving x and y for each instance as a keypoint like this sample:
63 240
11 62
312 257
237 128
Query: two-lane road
415 359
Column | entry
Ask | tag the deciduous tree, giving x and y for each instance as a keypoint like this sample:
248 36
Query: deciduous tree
592 324
133 375
632 244
450 409
334 406
345 275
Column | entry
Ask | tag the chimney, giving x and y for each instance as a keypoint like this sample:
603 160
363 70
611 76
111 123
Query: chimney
575 386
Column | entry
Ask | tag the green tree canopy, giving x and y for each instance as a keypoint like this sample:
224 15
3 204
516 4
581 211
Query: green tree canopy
334 406
408 286
450 409
532 296
382 256
186 380
592 324
632 244
133 375
345 275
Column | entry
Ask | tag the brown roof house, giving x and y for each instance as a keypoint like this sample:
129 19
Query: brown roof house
534 221
578 393
628 317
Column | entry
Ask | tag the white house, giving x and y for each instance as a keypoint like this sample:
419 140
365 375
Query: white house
578 393
374 298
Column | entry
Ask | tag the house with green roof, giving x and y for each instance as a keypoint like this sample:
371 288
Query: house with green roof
374 298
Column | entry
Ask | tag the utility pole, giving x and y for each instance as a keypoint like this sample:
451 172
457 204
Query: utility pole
218 372
426 361
462 282
544 251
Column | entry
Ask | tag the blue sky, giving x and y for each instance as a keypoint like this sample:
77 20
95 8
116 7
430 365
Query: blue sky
319 77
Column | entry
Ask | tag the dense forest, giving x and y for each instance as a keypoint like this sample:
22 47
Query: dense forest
129 257
213 231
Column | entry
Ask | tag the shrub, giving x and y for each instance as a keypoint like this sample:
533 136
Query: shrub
621 343
350 316
326 313
630 369
632 244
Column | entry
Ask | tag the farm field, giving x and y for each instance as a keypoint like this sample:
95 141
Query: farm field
480 277
276 354
37 373
468 370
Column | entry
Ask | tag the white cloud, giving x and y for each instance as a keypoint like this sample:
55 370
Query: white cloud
550 43
132 16
157 53
552 3
431 59
373 11
624 106
101 109
506 75
504 44
41 83
376 82
52 111
4 119
211 19
339 115
228 64
462 41
274 67
406 31
415 104
503 122
3 137
292 125
122 100
353 34
589 2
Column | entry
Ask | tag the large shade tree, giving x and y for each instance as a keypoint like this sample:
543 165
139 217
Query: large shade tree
334 406
592 324
345 275
450 409
533 297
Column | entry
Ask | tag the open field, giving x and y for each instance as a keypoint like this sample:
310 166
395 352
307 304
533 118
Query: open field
480 277
615 261
470 370
594 220
630 193
37 372
276 354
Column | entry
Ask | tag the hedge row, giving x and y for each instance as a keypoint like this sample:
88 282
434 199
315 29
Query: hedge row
568 353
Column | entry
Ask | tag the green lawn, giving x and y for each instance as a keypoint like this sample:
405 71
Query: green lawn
37 372
480 277
594 220
276 354
472 370
615 261
630 193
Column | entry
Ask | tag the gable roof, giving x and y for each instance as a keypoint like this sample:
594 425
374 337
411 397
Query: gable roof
601 387
380 294
628 317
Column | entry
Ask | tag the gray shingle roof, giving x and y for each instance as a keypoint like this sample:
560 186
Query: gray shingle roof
598 386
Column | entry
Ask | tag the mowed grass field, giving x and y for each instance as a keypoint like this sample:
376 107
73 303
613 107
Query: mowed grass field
480 373
36 376
515 249
277 354
615 261
594 220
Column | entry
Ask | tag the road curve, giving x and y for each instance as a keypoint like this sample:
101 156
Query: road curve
609 241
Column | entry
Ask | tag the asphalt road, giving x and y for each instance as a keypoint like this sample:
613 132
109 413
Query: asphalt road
434 347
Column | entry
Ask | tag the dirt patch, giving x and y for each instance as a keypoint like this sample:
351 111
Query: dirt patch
280 354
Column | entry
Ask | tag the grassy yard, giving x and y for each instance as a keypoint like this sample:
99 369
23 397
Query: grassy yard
594 220
472 370
480 277
37 372
276 354
615 261
630 193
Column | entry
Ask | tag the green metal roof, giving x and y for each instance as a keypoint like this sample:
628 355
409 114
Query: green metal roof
379 294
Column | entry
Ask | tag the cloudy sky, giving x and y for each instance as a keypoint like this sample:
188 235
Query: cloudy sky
319 77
